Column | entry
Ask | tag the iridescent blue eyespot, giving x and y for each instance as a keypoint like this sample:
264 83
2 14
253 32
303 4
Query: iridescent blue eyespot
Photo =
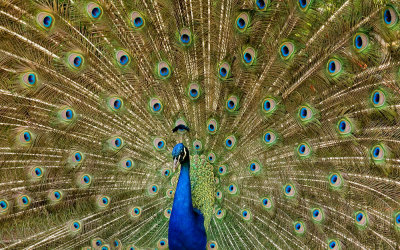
335 180
269 105
269 137
155 105
378 153
334 67
75 60
242 22
249 55
224 70
361 218
163 70
194 91
45 20
137 20
396 220
212 126
390 16
360 41
299 227
230 142
94 10
29 79
304 4
289 190
378 98
159 143
334 245
231 103
286 50
27 136
261 4
185 36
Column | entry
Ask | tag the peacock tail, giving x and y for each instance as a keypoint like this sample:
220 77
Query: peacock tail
293 109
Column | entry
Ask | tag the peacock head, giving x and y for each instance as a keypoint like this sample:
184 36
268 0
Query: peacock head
180 154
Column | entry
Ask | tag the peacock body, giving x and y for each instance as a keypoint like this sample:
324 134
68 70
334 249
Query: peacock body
293 109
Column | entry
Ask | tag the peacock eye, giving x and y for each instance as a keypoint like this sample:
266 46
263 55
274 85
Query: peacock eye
289 190
262 4
45 20
94 10
304 4
305 113
304 150
159 143
249 55
55 196
75 60
212 126
36 173
137 20
269 137
84 180
360 41
334 67
287 50
185 36
242 22
164 70
155 105
218 194
266 203
220 213
361 218
269 105
122 58
230 142
167 213
299 227
135 212
335 180
246 215
344 127
232 103
232 189
396 219
194 91
211 157
197 145
222 170
317 214
67 114
212 245
254 167
75 226
102 201
378 98
334 245
152 190
390 16
223 70
3 206
25 137
162 244
116 143
29 79
378 153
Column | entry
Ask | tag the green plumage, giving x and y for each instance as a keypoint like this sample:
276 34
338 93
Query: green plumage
293 110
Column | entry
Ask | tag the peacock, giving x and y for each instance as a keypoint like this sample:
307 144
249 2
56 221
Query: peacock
284 116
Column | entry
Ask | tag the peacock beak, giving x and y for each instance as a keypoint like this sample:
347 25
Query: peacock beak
176 160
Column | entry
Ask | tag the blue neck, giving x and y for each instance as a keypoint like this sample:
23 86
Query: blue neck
182 205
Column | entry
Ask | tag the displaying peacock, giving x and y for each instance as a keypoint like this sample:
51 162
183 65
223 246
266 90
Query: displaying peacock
292 106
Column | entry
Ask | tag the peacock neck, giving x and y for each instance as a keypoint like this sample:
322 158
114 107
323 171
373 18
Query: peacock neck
183 194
